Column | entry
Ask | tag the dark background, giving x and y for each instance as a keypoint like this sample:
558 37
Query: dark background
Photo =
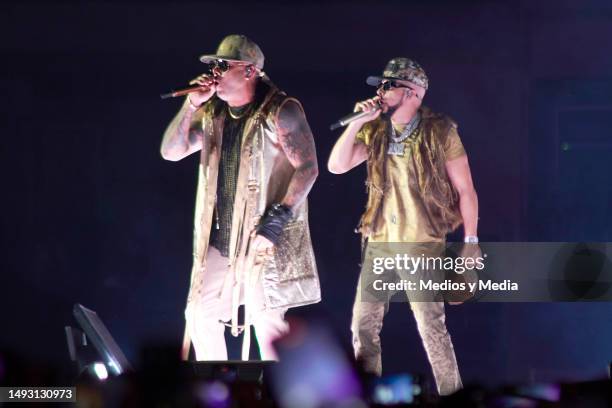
92 214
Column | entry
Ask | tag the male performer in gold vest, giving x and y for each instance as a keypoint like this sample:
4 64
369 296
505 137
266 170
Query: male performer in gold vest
419 188
251 238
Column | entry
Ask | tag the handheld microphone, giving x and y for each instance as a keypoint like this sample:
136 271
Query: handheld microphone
182 92
350 118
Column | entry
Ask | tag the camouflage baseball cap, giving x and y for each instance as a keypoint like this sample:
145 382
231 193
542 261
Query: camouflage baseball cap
403 69
236 47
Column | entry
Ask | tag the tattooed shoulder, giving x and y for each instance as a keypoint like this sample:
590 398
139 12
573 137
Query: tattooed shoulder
290 117
294 133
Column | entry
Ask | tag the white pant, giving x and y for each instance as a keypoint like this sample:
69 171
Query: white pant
206 311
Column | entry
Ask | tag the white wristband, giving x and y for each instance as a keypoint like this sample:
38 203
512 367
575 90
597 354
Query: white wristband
470 239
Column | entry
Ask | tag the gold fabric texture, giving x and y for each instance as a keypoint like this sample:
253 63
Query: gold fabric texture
290 266
263 178
410 198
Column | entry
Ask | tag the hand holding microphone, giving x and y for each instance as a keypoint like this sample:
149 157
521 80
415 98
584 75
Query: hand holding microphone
364 112
202 89
371 106
208 87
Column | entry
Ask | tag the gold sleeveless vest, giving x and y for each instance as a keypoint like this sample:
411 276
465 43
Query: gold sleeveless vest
290 277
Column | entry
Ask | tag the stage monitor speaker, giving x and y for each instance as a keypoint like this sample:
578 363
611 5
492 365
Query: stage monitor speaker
100 337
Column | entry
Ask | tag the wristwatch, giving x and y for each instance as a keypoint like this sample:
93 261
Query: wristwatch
470 239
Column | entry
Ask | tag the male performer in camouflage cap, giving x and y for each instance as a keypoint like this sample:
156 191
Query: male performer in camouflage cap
251 239
419 189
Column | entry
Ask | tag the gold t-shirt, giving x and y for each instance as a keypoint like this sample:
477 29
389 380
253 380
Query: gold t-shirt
403 217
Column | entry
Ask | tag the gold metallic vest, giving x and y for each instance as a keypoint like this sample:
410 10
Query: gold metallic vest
289 277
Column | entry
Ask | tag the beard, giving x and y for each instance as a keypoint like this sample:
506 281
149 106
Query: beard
388 111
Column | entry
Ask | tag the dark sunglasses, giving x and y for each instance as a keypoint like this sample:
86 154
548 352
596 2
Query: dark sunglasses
221 65
388 85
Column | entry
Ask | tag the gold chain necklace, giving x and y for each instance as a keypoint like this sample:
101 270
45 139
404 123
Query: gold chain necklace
242 111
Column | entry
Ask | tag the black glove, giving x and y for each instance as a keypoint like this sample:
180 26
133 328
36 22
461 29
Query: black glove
273 221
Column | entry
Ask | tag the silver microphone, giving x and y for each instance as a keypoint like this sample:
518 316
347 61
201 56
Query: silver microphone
350 118
357 115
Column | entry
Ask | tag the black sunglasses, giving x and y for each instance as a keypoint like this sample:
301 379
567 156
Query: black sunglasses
221 65
388 85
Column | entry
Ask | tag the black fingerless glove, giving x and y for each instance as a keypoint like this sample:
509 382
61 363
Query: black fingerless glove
272 223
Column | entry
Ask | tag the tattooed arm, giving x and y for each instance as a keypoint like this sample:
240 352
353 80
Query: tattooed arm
297 142
183 135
